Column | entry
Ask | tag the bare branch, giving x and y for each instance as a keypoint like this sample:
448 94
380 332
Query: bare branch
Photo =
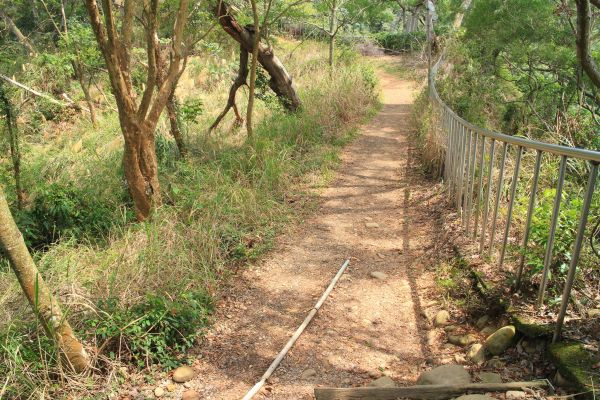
583 41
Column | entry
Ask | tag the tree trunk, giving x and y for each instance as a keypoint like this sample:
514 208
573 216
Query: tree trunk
141 167
85 88
174 122
13 139
17 32
239 81
332 32
281 81
253 65
45 306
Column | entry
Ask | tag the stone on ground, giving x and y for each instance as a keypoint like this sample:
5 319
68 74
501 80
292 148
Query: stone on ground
475 397
383 382
462 340
594 313
450 374
378 275
476 354
441 318
159 392
482 321
190 395
490 377
487 331
372 225
515 395
308 373
500 340
183 374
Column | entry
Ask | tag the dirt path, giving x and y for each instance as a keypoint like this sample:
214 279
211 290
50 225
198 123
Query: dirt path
377 213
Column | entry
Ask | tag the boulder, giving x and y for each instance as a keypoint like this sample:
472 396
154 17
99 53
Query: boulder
183 374
441 318
450 374
499 341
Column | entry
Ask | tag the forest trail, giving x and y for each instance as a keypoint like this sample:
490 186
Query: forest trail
376 212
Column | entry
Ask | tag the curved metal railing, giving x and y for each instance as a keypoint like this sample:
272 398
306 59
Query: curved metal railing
466 148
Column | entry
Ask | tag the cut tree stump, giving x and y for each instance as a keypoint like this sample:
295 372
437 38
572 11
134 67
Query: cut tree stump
430 392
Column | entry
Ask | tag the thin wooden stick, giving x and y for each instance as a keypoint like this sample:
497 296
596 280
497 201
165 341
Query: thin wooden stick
429 392
296 335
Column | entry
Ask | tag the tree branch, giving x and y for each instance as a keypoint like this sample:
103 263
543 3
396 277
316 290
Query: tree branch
584 22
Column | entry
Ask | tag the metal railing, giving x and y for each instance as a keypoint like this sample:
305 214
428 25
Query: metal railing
469 175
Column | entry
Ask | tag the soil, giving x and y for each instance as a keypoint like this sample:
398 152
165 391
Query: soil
378 212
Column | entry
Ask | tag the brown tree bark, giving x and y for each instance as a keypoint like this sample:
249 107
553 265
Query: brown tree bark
13 140
85 87
45 306
17 32
253 65
138 119
583 39
281 82
239 81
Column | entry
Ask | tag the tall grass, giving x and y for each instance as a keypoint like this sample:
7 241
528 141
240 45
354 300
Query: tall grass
223 205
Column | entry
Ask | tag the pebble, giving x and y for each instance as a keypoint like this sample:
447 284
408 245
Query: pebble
515 394
190 395
183 374
487 331
475 397
441 318
482 321
594 313
308 373
372 225
383 382
171 387
490 377
159 392
378 275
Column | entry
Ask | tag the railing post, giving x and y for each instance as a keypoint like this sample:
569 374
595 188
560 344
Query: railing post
498 198
480 190
472 180
461 167
486 202
513 191
552 232
585 211
534 185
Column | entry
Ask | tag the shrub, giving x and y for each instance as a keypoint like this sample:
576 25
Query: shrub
401 41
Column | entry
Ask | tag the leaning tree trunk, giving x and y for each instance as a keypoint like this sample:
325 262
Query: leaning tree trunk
45 306
174 122
281 81
13 140
238 82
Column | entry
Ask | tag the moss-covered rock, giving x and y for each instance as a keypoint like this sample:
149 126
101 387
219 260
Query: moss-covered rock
575 364
530 328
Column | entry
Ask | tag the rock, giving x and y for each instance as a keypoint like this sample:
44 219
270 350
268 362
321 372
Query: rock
515 395
487 331
594 313
459 358
482 321
450 328
383 382
441 318
476 354
462 340
308 373
496 343
495 363
490 377
561 382
171 387
159 392
183 374
474 397
378 275
372 225
190 395
374 374
450 374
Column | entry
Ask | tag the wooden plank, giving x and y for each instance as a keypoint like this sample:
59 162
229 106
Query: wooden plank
430 392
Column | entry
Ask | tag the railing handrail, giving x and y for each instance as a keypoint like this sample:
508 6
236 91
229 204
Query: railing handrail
575 152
